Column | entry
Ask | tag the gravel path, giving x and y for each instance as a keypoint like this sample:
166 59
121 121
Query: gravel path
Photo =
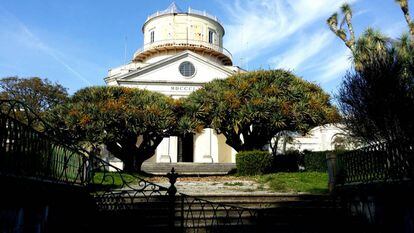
215 185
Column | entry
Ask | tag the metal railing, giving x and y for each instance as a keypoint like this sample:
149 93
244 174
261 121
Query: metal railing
384 162
184 43
374 184
190 11
30 148
205 216
26 152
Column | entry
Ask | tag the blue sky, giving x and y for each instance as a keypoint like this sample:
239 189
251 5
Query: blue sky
76 42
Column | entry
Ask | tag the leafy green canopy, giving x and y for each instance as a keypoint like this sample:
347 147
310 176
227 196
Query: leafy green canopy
130 122
39 94
250 108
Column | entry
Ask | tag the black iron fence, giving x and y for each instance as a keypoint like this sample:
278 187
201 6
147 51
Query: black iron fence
30 148
375 184
383 162
198 215
26 152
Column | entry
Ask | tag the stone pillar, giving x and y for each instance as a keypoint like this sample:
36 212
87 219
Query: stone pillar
173 143
332 170
162 152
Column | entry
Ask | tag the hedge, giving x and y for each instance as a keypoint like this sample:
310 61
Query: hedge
288 162
316 160
254 162
262 162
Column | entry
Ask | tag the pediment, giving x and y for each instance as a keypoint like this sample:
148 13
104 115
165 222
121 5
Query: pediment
167 71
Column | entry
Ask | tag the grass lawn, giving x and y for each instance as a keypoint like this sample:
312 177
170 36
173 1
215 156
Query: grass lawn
310 182
114 179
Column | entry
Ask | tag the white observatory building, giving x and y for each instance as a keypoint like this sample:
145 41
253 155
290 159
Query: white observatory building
181 52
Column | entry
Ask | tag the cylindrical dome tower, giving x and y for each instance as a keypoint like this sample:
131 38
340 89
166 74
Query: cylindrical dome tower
172 30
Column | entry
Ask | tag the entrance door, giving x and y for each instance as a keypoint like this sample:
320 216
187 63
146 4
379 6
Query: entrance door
185 148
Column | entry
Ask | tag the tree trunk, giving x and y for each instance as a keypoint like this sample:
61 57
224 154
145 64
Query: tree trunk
351 41
250 142
129 163
405 10
131 155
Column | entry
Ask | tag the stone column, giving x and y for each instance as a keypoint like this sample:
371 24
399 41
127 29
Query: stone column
332 170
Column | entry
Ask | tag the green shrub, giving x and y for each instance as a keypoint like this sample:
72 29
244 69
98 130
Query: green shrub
254 162
315 161
288 162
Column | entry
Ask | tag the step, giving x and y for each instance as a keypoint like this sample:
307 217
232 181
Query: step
189 168
278 213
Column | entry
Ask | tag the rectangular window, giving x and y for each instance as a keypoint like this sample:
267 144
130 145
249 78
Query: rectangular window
210 37
152 37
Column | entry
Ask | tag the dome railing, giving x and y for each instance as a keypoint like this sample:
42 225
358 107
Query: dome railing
183 43
190 11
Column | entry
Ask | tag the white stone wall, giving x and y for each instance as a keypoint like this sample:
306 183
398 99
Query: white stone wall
169 72
320 138
166 78
209 147
182 26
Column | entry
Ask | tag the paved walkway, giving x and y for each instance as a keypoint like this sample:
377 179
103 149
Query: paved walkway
215 185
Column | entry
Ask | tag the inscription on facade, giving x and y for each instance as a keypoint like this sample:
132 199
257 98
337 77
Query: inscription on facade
184 88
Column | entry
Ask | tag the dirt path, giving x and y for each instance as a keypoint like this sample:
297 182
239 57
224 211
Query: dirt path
215 185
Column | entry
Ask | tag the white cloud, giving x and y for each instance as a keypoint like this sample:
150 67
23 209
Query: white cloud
396 30
302 51
17 30
334 66
257 25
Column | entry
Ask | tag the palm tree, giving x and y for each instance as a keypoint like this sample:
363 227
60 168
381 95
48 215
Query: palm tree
371 45
347 12
339 31
404 47
404 7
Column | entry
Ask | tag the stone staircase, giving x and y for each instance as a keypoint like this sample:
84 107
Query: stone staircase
189 168
134 214
262 213
282 213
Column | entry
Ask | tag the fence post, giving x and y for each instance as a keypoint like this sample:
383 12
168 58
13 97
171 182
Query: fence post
182 214
332 170
172 190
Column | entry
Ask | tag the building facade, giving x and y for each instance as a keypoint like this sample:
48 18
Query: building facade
181 52
321 138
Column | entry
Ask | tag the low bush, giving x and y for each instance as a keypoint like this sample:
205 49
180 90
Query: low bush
316 160
288 162
254 162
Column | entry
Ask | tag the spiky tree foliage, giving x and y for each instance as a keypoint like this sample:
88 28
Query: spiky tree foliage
404 8
377 96
371 45
347 12
348 37
404 47
251 108
378 100
130 122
